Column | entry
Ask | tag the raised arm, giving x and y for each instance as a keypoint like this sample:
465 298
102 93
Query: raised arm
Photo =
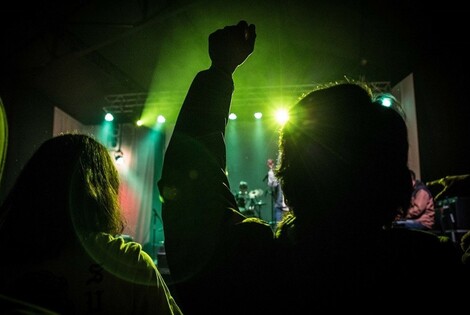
199 208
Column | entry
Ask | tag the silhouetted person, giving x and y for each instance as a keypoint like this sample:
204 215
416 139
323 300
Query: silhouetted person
58 228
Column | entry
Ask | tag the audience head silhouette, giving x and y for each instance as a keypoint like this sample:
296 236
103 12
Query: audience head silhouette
68 189
342 143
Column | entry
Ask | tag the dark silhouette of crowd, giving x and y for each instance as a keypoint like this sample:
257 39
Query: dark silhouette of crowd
343 169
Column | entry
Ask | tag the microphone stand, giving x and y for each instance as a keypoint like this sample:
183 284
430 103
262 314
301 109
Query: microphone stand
154 236
273 212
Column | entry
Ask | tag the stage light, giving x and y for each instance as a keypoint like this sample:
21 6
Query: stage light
282 116
386 99
109 117
232 116
387 102
161 119
258 115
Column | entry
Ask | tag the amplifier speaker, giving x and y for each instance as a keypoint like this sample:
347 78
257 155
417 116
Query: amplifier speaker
453 214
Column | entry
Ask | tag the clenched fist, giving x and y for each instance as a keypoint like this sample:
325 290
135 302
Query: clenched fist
230 47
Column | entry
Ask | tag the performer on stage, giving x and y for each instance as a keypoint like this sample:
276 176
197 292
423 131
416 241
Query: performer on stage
279 206
420 214
245 202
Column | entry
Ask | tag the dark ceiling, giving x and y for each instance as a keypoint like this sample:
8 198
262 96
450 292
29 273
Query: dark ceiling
86 56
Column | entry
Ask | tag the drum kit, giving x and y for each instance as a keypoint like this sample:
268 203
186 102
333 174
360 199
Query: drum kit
458 183
250 204
255 194
452 209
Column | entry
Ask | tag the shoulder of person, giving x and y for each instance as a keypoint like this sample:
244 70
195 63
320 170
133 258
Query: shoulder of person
124 259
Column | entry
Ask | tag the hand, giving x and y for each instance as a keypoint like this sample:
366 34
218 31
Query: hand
230 47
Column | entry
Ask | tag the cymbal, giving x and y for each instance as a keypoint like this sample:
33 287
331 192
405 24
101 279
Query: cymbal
445 180
256 193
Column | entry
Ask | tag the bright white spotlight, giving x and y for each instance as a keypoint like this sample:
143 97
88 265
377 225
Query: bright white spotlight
282 116
387 102
109 117
386 99
161 119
